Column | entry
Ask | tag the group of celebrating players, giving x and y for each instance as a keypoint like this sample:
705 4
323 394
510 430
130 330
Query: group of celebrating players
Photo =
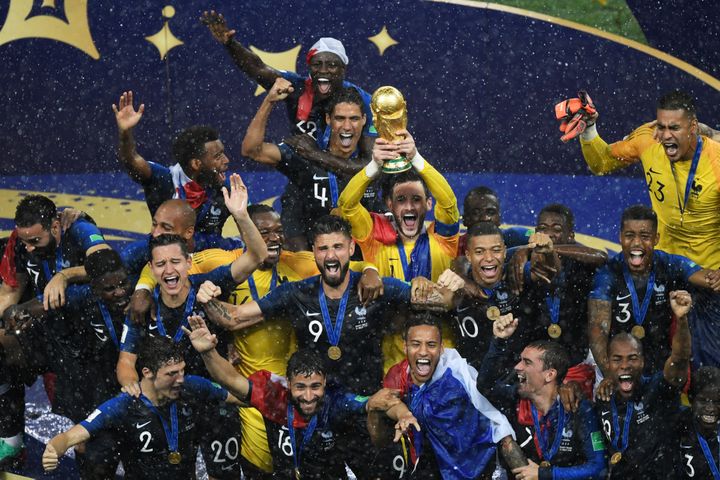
348 337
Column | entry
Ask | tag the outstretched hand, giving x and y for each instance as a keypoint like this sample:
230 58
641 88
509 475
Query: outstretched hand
236 200
125 114
403 425
200 337
218 26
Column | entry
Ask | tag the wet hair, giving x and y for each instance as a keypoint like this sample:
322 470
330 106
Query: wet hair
169 239
563 211
330 224
678 100
35 209
345 95
704 377
625 337
639 212
191 143
101 262
390 181
554 356
482 229
258 208
422 317
305 362
156 352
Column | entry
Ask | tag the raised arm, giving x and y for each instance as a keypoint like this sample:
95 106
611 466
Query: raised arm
236 201
307 147
249 63
599 313
603 158
349 201
225 315
676 367
126 373
254 145
706 279
127 117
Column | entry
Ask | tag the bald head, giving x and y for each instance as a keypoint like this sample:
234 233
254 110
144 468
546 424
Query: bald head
174 216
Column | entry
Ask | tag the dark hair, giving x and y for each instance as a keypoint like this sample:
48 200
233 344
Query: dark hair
330 224
481 190
639 212
101 262
305 362
345 95
422 317
625 337
678 100
563 211
481 229
554 356
156 352
168 239
703 378
390 181
35 209
191 143
258 208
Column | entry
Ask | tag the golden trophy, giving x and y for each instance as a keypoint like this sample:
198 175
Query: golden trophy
390 115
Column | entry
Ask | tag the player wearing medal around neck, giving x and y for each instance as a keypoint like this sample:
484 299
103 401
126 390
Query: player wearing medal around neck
267 345
446 427
161 427
631 293
329 317
403 247
303 411
699 442
558 443
318 187
174 301
636 411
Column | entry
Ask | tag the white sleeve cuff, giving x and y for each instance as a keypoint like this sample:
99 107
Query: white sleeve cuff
370 267
418 162
142 286
589 134
371 169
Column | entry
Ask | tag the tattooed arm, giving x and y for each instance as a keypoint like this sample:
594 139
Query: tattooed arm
599 331
233 317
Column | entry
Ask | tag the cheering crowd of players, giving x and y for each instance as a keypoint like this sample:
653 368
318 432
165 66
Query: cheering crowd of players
347 335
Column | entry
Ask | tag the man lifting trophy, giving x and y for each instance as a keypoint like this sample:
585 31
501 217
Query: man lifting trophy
390 115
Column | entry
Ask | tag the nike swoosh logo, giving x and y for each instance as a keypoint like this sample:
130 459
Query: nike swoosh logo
685 446
310 314
141 425
462 309
151 327
622 298
315 177
605 413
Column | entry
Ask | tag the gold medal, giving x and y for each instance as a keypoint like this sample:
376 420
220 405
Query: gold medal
493 313
334 352
545 464
615 459
175 458
297 474
554 330
638 331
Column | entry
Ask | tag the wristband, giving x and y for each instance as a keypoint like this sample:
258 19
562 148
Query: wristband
372 169
418 162
589 134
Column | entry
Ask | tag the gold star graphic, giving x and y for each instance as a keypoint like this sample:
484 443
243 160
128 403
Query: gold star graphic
286 60
383 40
164 40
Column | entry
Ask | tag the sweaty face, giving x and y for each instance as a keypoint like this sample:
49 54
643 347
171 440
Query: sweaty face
423 347
481 208
531 372
307 393
170 268
409 205
638 239
332 256
555 226
677 133
706 408
39 241
346 123
327 72
113 289
271 230
214 164
626 366
168 380
486 254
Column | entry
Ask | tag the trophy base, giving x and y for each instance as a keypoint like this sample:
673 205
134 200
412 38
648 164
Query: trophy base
396 165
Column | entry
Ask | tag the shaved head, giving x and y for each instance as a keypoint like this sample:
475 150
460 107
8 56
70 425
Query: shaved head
180 210
174 216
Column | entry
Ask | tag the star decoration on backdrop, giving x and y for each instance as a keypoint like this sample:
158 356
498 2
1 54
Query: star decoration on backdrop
286 60
164 40
383 40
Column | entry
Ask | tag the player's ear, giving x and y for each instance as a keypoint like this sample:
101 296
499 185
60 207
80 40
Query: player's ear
657 239
146 373
327 119
195 164
352 247
55 227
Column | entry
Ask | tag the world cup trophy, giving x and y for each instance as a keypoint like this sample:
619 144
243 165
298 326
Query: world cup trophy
390 115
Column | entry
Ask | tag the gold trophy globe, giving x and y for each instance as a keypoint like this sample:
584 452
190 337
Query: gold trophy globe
390 115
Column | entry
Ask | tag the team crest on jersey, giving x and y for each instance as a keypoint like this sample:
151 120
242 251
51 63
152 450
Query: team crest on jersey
695 189
361 318
502 296
327 440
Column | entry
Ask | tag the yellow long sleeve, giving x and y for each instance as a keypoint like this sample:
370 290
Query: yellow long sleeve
352 210
446 207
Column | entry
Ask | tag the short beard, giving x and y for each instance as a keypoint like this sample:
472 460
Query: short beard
335 282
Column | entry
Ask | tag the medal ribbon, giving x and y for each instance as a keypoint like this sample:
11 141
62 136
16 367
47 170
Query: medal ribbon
708 455
108 323
691 176
172 436
417 436
616 425
253 288
540 439
333 332
332 179
418 265
189 304
639 311
553 301
309 430
58 261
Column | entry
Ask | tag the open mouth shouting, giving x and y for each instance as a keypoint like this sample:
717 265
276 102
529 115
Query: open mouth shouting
626 383
346 139
273 250
410 224
636 257
172 283
671 149
323 85
423 368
